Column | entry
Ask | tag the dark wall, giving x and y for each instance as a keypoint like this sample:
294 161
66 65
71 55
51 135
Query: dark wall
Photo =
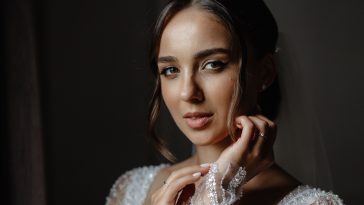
97 89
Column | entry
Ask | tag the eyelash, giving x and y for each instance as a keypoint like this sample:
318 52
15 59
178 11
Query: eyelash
165 70
219 65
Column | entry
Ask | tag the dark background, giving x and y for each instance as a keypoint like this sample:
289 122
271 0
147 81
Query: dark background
90 71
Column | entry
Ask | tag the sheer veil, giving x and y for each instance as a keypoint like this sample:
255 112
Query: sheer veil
300 146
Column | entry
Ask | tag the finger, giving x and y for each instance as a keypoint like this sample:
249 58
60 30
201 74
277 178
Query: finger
241 146
174 187
272 124
272 131
261 125
260 147
187 171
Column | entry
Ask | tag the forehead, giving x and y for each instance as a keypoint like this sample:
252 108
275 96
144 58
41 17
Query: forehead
193 29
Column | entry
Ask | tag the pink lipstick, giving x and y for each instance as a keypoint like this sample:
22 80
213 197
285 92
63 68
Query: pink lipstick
197 120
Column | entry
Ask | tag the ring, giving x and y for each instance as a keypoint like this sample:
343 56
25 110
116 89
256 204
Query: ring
262 135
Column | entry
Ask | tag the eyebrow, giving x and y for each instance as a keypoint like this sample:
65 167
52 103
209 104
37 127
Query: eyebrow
198 55
211 51
167 59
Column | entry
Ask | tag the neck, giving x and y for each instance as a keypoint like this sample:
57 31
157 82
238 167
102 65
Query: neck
210 153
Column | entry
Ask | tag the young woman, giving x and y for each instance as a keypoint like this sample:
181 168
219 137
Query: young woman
213 61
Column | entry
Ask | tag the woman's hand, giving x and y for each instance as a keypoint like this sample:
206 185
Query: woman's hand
178 180
254 149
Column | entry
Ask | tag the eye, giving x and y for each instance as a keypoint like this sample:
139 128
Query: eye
169 71
215 65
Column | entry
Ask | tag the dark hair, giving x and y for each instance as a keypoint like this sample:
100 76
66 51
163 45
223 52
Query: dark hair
247 21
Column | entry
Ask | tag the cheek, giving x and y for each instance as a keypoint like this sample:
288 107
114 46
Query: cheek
220 92
169 94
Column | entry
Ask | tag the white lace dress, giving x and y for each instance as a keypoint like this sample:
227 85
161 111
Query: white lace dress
132 187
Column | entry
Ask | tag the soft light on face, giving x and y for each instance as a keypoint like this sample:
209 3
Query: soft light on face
198 74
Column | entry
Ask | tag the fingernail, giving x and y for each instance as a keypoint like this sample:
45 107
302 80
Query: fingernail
205 165
197 174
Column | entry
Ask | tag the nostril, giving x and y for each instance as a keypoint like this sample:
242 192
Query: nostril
191 91
197 97
196 100
193 95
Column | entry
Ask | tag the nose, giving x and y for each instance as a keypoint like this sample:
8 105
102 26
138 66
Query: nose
191 91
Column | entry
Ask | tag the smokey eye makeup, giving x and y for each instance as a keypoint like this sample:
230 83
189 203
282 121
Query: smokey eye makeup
168 71
208 66
215 65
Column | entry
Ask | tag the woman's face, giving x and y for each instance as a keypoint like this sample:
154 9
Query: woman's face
197 74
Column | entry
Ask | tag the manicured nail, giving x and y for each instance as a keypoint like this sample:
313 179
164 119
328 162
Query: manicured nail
205 165
197 174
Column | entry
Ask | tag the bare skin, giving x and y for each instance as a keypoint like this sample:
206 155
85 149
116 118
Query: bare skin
198 75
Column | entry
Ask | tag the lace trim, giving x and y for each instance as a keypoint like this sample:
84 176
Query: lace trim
305 195
218 188
132 187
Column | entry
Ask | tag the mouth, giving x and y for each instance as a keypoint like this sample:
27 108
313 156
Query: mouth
197 120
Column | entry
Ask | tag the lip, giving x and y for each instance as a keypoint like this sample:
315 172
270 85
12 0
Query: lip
197 120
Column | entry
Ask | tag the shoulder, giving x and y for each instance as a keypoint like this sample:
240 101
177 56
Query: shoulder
133 185
305 194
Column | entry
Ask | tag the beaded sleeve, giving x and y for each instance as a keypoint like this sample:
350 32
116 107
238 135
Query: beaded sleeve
216 188
132 187
305 195
220 188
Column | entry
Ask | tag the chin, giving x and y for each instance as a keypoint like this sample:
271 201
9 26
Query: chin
204 138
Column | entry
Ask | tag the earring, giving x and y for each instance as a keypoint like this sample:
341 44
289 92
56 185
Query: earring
264 87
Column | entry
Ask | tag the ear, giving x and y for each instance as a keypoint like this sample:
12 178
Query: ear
268 71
